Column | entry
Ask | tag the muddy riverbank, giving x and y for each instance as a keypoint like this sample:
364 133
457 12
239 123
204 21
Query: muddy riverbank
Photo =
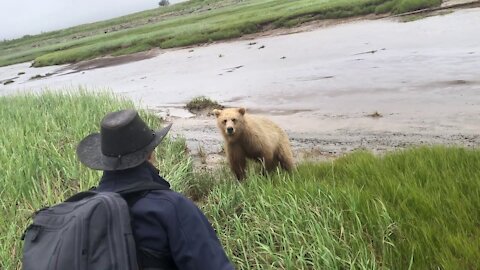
373 84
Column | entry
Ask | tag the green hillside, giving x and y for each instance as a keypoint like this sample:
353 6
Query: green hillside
188 23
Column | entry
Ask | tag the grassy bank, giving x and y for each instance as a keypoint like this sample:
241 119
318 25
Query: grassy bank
416 209
188 23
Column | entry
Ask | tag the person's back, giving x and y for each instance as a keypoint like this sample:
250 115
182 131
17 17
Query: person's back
170 231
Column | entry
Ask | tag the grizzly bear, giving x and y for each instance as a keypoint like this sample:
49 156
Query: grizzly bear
253 137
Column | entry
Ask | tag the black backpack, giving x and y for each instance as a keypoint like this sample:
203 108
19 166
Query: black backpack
90 230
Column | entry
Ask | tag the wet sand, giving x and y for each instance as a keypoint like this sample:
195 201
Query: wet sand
321 85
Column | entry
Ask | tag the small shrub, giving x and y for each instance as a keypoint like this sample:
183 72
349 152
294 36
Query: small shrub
202 104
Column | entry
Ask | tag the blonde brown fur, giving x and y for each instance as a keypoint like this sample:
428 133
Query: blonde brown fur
253 137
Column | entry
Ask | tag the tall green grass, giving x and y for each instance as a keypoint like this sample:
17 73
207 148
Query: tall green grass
192 22
38 165
416 209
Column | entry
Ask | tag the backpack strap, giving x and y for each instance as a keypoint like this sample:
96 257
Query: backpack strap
132 197
124 192
81 195
132 194
136 191
138 187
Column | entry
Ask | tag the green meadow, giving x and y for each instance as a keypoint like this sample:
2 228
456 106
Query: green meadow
188 23
412 209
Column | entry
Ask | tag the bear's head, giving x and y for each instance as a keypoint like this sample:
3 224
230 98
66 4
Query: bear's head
231 122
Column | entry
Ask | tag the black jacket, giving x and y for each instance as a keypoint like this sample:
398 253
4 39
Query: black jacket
167 225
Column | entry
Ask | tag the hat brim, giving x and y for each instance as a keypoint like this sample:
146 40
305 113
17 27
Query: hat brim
90 154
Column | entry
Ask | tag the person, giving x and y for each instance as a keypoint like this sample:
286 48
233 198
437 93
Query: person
170 230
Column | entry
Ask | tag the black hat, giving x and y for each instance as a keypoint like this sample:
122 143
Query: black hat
124 141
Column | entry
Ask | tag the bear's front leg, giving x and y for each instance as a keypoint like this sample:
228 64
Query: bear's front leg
238 162
238 166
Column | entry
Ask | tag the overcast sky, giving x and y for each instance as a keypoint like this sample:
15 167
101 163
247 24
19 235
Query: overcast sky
22 17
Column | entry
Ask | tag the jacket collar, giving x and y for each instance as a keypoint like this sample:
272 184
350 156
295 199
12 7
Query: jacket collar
118 180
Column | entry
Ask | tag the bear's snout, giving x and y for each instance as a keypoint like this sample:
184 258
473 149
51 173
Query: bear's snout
230 130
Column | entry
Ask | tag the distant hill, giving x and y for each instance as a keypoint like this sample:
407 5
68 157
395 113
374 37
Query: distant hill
187 23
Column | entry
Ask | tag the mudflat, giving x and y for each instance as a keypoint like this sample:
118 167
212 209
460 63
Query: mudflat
375 84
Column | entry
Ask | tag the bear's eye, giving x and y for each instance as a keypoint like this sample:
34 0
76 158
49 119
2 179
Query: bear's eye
225 121
233 120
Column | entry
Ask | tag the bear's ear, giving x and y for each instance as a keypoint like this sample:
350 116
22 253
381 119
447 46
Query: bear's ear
242 111
216 112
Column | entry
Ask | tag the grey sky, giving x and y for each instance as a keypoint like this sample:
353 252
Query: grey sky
21 17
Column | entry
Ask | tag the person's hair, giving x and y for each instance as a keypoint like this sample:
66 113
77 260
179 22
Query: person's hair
151 156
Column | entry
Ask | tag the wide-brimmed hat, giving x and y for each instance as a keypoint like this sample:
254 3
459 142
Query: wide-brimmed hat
124 142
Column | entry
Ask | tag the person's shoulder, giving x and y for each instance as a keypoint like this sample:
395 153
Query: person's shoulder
168 195
164 201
